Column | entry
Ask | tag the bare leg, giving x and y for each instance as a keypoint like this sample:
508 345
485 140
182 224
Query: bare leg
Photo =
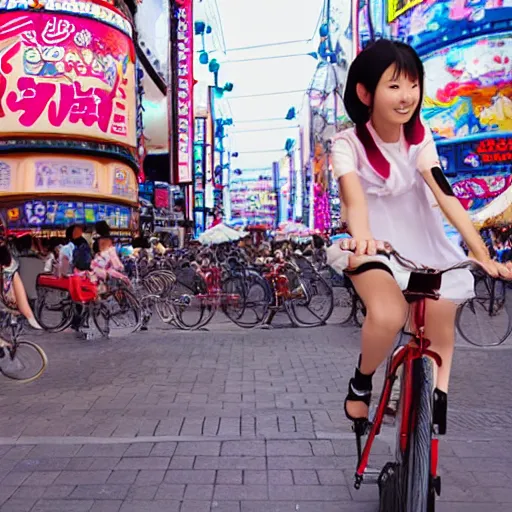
440 330
22 301
386 313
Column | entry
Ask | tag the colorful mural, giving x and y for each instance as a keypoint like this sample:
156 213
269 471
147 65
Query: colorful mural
63 75
469 87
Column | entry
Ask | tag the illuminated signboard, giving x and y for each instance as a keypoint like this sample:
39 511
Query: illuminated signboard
67 76
184 87
397 7
39 175
91 9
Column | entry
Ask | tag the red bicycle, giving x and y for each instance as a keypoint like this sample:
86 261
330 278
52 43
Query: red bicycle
410 483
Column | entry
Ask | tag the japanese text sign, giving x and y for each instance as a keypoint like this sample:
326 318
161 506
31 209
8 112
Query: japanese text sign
184 89
66 76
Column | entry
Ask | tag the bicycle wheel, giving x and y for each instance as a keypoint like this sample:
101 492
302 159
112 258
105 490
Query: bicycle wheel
193 310
248 299
406 484
123 313
360 312
54 309
484 321
25 362
343 304
314 304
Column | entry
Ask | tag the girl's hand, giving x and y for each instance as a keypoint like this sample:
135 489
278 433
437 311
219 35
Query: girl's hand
362 247
497 270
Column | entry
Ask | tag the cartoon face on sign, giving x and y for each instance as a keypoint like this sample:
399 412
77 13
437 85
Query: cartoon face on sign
45 61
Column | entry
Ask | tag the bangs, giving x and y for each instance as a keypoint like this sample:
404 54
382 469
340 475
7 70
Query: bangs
406 64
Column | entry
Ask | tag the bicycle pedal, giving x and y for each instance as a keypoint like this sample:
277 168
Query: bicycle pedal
371 476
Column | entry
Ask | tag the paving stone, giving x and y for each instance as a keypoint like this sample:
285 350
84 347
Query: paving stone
143 463
150 477
182 462
238 448
254 477
151 506
296 448
240 492
58 491
15 478
55 464
203 462
163 449
194 476
102 450
229 476
203 448
101 492
195 506
32 491
303 477
123 476
139 450
225 506
170 491
54 450
82 477
308 492
199 492
63 506
106 506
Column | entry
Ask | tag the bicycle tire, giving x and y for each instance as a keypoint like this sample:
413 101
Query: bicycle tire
185 298
314 286
406 485
343 304
122 297
13 372
243 286
359 312
65 306
477 307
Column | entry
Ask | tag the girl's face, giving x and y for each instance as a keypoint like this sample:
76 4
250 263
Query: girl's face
396 97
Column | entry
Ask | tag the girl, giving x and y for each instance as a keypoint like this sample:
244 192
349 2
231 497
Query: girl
394 190
13 295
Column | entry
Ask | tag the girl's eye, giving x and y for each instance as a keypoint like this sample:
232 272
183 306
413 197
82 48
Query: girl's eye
394 86
414 86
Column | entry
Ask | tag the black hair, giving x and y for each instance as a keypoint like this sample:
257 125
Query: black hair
69 232
5 256
102 228
367 69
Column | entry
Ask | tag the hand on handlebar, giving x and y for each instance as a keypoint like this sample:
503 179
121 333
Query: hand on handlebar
496 269
363 247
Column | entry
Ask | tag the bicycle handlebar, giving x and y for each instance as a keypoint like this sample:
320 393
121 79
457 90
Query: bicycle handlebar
417 268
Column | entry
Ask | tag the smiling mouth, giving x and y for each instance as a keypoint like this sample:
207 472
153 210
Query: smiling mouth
402 110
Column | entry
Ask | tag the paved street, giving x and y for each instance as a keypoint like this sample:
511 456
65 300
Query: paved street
227 420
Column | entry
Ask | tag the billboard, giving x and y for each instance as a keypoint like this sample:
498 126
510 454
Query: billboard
433 23
66 75
468 88
37 175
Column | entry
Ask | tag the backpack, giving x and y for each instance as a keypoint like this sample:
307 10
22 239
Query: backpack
82 256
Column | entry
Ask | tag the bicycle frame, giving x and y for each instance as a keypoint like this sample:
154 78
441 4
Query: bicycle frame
417 347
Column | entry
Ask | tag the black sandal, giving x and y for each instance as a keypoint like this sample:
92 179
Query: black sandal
359 390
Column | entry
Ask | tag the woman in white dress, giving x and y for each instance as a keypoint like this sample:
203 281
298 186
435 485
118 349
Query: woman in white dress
394 190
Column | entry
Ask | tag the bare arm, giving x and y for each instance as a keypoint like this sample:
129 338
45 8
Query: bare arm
458 217
352 196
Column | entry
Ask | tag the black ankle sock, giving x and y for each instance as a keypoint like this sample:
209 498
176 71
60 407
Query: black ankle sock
361 381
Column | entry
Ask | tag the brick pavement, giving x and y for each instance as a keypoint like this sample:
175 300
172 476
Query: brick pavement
228 421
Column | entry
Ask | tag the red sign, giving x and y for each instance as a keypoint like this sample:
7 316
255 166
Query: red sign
184 90
495 150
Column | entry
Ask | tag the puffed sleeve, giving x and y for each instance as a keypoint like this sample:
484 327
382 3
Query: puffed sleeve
427 156
343 158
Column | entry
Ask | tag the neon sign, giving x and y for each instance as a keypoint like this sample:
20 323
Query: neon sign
184 90
495 150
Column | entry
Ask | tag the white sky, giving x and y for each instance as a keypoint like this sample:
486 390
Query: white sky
251 23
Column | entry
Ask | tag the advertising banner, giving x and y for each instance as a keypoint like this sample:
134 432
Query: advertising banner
39 175
67 76
184 90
